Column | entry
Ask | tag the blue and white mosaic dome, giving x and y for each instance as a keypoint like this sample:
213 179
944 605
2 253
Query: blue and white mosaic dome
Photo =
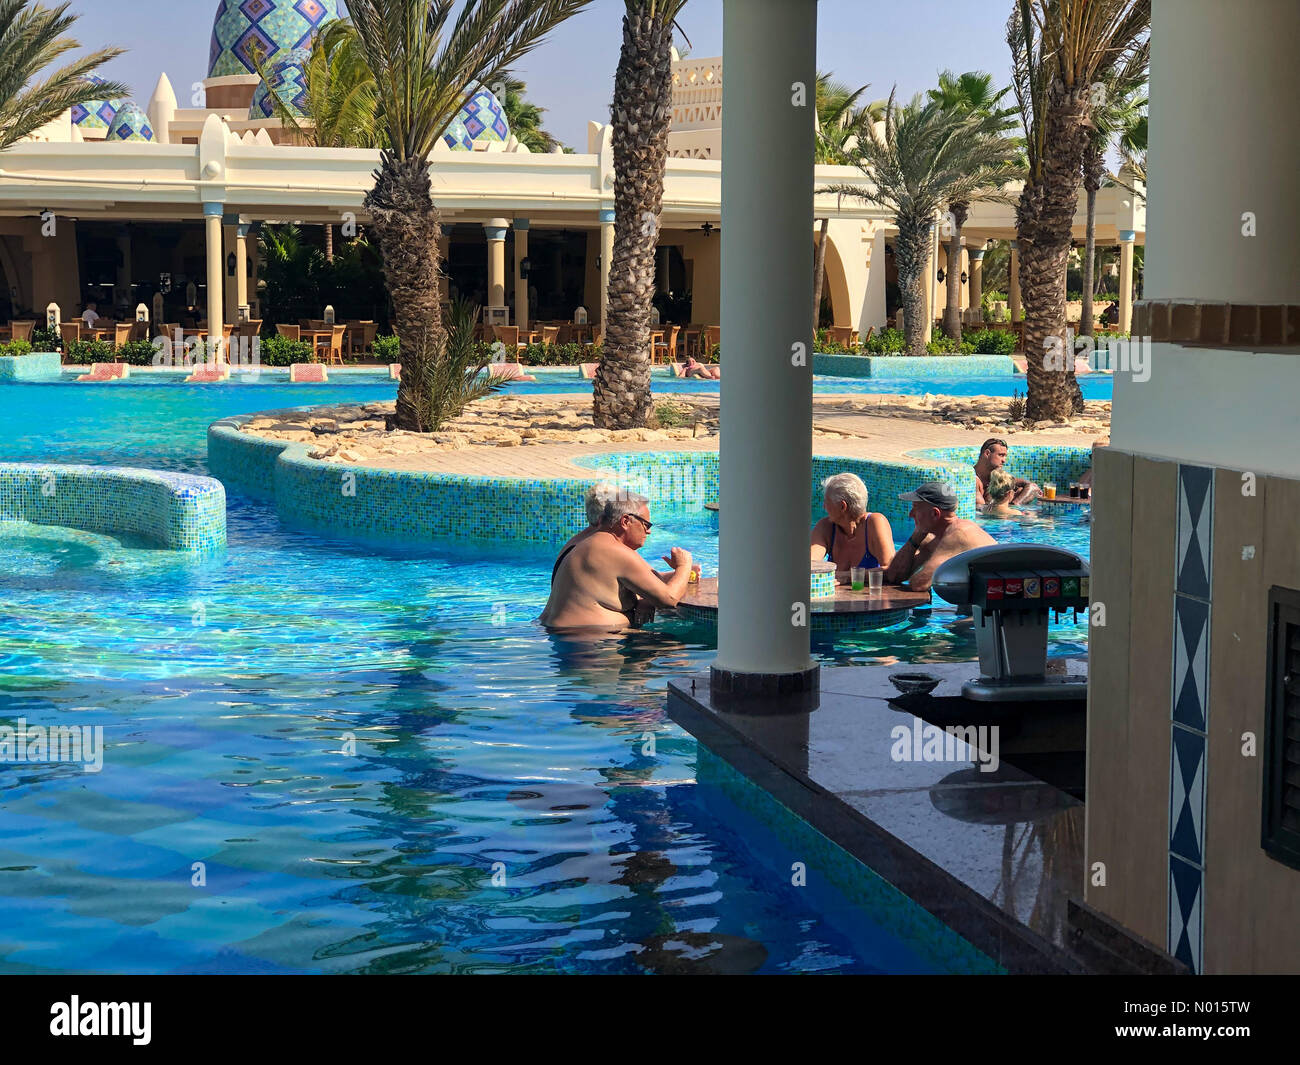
95 114
287 77
130 124
242 27
481 119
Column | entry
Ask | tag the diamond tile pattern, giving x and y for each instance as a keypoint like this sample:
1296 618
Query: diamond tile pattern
270 26
1189 712
481 119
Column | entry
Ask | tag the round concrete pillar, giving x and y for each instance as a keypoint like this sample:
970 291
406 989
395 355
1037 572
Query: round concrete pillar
496 238
212 213
765 463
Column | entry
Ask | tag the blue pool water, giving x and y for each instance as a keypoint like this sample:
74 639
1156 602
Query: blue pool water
232 692
1095 386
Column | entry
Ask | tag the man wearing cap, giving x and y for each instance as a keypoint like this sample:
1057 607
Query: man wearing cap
939 534
993 456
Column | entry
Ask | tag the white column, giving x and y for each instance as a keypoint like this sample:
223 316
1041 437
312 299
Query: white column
241 266
767 259
496 238
1126 239
606 255
216 272
521 282
1013 286
976 281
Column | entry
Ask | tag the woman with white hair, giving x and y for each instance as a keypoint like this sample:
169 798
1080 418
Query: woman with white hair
850 535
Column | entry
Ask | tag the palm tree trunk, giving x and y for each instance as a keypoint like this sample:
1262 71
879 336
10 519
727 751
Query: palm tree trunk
1044 218
1089 266
641 113
819 275
329 243
911 252
405 222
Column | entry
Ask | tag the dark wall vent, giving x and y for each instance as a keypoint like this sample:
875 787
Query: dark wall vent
1281 828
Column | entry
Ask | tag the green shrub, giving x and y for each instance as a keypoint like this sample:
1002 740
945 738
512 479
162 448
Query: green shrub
281 351
570 354
136 352
386 349
942 344
824 345
886 342
84 352
44 339
1016 408
991 341
16 347
671 416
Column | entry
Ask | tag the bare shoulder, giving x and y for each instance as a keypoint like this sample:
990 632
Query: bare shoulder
877 521
972 534
821 532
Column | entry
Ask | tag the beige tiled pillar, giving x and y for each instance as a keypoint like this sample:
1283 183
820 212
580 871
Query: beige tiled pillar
606 256
1126 238
496 238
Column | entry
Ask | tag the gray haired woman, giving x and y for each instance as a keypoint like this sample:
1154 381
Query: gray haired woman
850 535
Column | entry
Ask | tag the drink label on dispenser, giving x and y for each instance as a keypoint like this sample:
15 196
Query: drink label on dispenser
1033 588
1084 585
1015 587
993 588
1051 587
1070 587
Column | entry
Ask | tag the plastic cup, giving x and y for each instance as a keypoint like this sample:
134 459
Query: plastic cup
858 578
1049 490
875 581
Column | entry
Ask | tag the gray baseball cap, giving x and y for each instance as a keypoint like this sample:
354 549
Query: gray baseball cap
939 494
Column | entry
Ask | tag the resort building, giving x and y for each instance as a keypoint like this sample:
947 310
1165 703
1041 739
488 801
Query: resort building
120 201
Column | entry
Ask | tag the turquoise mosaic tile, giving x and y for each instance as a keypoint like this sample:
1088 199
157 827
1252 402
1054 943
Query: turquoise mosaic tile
914 366
1040 463
883 903
38 366
172 510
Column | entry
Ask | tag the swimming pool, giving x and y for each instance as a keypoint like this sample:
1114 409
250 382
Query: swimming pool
232 689
552 381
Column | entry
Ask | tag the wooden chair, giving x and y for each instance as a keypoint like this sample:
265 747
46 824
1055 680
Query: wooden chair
123 333
712 339
508 335
70 331
844 335
565 335
289 332
21 330
597 334
550 334
333 347
668 346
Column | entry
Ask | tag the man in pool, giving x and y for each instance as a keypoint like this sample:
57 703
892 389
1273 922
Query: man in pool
993 455
600 580
597 496
938 535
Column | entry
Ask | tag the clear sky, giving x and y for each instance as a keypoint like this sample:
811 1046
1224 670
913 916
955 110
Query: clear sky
876 42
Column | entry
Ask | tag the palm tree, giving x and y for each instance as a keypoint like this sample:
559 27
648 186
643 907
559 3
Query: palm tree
971 93
839 123
523 116
1133 152
31 38
641 114
1121 104
926 157
1059 50
338 106
426 69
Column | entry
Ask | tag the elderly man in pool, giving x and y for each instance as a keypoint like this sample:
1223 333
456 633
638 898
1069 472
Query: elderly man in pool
850 535
937 536
600 581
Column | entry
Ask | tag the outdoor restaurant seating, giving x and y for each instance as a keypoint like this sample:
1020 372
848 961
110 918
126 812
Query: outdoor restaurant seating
666 347
289 332
70 331
331 345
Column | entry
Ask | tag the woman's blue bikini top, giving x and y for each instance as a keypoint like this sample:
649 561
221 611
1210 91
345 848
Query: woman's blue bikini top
869 561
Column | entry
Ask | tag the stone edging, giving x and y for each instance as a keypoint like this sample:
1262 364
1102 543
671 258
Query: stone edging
176 511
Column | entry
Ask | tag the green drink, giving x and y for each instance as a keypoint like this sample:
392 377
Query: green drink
858 578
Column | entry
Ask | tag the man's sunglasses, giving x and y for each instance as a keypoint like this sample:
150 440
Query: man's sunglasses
648 524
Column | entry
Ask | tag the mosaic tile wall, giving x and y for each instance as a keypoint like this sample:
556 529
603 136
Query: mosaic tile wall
421 507
172 510
914 365
40 365
883 903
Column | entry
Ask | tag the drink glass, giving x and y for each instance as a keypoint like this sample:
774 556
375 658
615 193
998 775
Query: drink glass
858 577
1049 490
1085 491
1074 489
875 581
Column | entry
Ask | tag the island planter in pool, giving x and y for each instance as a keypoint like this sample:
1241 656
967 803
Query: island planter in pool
38 366
922 367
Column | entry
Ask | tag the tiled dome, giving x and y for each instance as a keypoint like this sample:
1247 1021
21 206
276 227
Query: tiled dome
242 27
95 114
482 119
130 124
287 78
